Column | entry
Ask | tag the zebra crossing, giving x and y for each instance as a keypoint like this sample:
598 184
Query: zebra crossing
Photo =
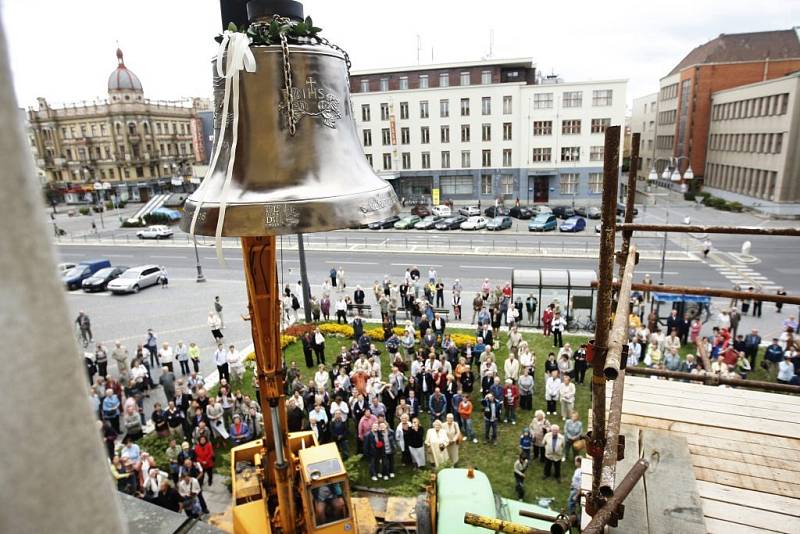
742 275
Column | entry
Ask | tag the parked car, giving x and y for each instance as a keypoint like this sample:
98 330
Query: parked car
134 279
474 223
573 224
386 223
543 222
521 212
563 212
421 210
450 223
406 223
499 223
157 231
75 276
621 210
599 226
99 280
64 267
469 211
442 211
496 211
590 212
428 223
541 208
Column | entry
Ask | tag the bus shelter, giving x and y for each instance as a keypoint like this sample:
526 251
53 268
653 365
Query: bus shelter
692 305
570 289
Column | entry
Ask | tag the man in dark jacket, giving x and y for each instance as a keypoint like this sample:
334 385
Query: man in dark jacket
358 295
438 405
374 450
773 356
673 321
491 414
358 327
751 343
339 434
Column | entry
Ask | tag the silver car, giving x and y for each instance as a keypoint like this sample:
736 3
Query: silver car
135 278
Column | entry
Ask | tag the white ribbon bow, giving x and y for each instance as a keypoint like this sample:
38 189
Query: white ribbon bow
234 52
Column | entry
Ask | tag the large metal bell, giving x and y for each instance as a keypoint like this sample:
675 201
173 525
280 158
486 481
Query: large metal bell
315 180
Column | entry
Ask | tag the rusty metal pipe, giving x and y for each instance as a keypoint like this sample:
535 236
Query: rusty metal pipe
699 229
709 292
612 435
498 525
715 380
619 330
633 166
604 514
603 309
561 523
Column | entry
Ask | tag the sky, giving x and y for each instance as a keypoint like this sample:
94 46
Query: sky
65 50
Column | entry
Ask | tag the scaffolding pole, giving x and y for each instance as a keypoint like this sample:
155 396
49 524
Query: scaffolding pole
611 506
698 229
619 331
611 454
633 166
715 380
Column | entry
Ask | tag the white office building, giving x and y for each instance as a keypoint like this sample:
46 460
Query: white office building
486 130
643 122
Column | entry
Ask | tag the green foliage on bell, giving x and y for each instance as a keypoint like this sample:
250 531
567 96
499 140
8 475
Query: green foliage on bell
261 33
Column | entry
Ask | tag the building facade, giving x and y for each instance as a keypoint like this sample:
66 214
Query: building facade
643 122
486 130
137 145
753 145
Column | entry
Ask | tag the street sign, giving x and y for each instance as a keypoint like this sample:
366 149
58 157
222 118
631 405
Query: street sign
435 196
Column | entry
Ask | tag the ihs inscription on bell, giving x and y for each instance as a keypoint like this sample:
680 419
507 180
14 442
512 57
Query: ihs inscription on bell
313 100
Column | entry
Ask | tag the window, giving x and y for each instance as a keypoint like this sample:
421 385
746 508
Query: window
425 135
369 159
570 153
571 127
665 141
542 154
600 125
426 160
423 81
386 136
543 101
403 110
444 134
542 127
387 161
486 184
486 77
465 159
602 97
596 153
403 83
445 159
405 136
444 108
596 182
573 99
486 132
444 79
486 158
384 84
364 113
465 133
486 105
778 143
669 92
423 109
384 112
456 185
506 157
406 160
464 78
507 184
569 183
367 137
506 105
506 131
465 107
667 117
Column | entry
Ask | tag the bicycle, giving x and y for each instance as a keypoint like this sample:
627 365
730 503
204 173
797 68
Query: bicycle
587 324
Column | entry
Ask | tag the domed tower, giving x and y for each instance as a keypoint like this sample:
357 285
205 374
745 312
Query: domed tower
123 84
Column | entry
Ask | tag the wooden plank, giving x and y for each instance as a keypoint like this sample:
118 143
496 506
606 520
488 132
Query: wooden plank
635 520
755 471
737 480
718 526
728 392
750 517
400 510
711 395
365 519
745 457
673 504
790 457
753 499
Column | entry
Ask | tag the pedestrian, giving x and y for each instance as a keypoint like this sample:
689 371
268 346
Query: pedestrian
332 275
436 442
454 438
215 325
194 356
101 360
319 346
414 440
510 400
340 279
757 303
477 306
526 390
120 355
221 361
573 501
491 414
539 427
167 356
566 396
151 344
706 248
307 340
325 307
551 391
341 311
373 450
553 453
558 326
84 325
167 383
530 307
580 364
217 309
163 278
573 430
779 305
520 467
547 319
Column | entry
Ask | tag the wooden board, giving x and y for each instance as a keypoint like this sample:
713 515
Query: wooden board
365 519
773 503
717 526
673 503
747 482
635 520
751 517
752 394
787 456
400 510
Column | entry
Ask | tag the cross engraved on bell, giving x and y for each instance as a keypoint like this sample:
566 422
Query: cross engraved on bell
280 215
315 101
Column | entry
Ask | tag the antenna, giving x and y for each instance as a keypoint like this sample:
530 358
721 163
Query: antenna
419 47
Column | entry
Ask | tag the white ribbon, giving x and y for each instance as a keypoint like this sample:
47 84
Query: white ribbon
234 52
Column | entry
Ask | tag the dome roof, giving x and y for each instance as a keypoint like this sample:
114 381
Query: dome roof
123 79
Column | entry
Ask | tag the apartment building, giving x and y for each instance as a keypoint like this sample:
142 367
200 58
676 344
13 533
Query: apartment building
643 122
485 130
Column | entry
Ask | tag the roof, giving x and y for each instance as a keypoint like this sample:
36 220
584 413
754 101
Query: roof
123 79
514 62
737 47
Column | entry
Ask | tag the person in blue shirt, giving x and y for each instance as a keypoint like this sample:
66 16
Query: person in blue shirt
239 431
110 408
438 405
477 350
773 357
526 444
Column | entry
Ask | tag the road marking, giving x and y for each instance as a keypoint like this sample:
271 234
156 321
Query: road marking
484 267
352 263
417 264
657 272
119 255
92 294
171 257
213 258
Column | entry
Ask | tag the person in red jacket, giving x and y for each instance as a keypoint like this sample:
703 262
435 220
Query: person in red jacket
547 320
205 457
510 400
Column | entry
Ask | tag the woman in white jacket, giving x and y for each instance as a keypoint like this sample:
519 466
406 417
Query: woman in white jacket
552 388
